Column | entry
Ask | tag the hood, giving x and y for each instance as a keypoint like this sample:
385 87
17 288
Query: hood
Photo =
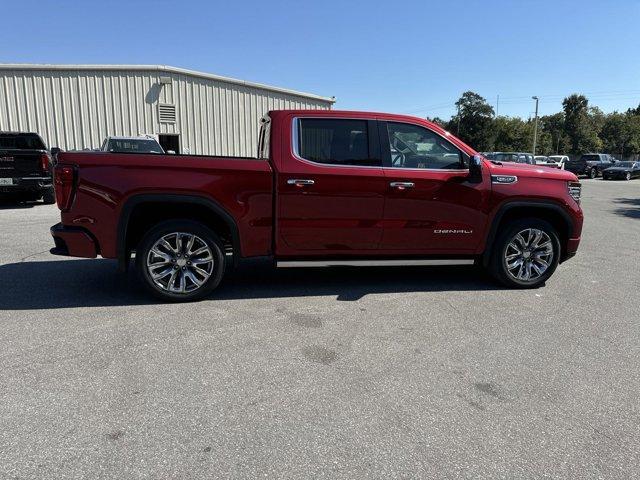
526 170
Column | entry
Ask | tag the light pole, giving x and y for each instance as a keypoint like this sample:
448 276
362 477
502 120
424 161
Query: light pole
535 127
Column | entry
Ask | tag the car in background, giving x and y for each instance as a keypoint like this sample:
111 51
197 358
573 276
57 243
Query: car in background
559 160
141 144
554 161
590 164
513 157
25 167
622 171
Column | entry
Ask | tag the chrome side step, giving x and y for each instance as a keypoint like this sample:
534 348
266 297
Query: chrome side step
372 263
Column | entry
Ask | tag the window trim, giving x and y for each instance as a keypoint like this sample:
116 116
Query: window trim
385 148
372 134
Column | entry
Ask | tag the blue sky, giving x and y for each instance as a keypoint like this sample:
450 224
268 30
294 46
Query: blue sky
398 56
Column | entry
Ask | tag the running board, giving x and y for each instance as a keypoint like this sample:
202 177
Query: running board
373 263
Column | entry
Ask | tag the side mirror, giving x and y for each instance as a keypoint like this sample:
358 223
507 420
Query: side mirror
475 169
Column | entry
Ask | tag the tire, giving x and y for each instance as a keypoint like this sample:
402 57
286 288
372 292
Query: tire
182 281
49 196
627 176
593 173
504 247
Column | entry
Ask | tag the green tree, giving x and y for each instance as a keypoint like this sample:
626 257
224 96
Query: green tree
474 122
512 134
581 124
553 137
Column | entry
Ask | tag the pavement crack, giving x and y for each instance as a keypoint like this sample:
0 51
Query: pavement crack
32 255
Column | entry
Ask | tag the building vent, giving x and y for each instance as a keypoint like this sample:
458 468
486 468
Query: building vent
167 113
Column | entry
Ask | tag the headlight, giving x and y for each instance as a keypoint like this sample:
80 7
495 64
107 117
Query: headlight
575 189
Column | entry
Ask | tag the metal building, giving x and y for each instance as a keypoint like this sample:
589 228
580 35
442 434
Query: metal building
75 107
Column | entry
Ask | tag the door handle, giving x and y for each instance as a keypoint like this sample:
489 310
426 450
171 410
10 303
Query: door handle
300 182
402 185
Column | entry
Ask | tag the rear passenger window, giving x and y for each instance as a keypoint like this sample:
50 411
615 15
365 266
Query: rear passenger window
334 141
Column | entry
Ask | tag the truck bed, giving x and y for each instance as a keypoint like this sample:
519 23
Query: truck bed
109 183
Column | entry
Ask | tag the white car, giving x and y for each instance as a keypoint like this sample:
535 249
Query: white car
141 144
555 161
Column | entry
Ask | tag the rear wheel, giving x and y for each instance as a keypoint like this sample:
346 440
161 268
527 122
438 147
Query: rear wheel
526 254
180 260
593 173
49 196
628 176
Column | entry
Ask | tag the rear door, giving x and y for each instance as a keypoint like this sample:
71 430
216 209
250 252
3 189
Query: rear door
431 206
330 187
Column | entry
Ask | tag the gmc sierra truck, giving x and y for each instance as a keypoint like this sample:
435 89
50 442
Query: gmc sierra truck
25 167
326 188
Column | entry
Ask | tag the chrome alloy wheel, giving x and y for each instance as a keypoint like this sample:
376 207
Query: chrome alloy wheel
528 255
180 262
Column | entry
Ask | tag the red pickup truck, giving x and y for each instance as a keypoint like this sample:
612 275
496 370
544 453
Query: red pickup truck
327 188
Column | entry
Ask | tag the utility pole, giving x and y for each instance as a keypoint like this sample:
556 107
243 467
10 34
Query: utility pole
458 132
535 127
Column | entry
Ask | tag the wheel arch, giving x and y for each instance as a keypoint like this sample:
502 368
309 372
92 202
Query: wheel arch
203 209
551 212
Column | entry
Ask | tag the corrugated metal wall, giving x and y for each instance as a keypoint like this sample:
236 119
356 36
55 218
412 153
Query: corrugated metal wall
77 109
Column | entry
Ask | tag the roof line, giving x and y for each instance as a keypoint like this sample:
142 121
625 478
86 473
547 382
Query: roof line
163 68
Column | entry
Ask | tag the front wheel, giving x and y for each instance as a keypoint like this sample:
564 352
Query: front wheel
593 173
526 254
180 260
628 176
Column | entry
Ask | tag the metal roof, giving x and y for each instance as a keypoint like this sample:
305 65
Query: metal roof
161 69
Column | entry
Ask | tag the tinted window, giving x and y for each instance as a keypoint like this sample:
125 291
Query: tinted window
506 157
412 146
335 141
137 146
21 141
590 158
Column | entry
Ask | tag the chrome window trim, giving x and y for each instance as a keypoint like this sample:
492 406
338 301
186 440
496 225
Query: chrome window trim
295 126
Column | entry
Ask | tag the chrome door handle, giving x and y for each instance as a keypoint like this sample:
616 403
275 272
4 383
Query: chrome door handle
300 182
402 185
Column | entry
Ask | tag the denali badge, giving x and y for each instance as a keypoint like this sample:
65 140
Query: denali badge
466 232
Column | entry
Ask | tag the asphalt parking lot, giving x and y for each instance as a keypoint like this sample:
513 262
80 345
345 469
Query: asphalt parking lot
323 373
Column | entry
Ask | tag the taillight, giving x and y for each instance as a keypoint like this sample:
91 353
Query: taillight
64 181
45 161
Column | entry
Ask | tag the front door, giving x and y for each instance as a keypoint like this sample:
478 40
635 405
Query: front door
330 189
431 207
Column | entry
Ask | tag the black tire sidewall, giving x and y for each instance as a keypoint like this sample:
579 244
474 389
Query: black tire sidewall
497 266
187 226
593 173
49 196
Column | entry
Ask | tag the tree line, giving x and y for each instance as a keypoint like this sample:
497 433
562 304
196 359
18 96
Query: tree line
577 129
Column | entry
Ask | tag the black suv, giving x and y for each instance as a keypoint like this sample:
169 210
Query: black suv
590 164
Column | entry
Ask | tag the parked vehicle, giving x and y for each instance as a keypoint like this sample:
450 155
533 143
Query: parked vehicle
515 157
555 161
590 164
559 160
25 167
142 144
328 188
622 171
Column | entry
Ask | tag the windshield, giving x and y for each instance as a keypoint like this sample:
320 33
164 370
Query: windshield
21 141
134 145
505 157
624 164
